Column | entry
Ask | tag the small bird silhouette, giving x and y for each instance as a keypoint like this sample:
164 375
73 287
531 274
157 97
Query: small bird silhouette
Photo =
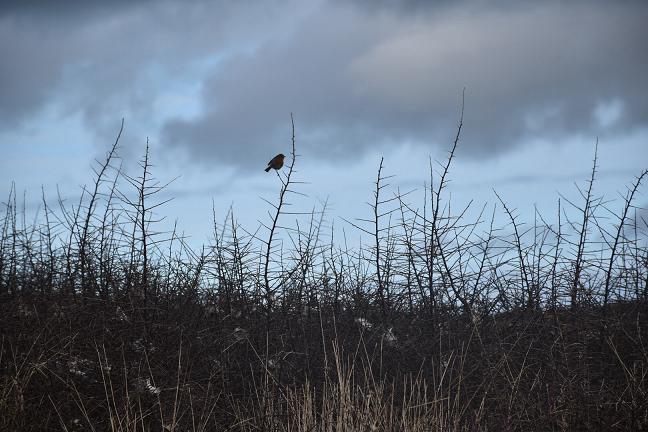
276 162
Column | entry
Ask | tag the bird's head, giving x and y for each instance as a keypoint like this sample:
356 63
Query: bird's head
280 156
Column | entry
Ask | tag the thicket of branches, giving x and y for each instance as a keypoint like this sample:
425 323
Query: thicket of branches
440 322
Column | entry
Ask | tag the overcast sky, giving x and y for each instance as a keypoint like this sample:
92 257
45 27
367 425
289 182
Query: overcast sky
212 85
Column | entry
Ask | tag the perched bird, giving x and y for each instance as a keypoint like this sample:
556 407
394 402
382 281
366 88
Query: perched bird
276 162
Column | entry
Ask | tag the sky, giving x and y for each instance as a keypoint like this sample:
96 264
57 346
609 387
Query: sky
212 84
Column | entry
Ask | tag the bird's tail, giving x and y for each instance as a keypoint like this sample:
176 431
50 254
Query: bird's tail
268 169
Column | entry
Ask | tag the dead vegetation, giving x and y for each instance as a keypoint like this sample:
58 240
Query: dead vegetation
440 323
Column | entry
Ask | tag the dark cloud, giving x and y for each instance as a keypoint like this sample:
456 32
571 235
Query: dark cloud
109 61
357 77
60 58
364 81
62 7
423 6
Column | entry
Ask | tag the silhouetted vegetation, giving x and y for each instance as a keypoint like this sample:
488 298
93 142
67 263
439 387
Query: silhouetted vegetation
441 322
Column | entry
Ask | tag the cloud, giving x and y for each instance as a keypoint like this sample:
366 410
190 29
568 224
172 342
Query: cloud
63 8
110 61
359 76
361 81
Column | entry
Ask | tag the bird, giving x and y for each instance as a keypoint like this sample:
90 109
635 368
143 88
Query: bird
276 162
